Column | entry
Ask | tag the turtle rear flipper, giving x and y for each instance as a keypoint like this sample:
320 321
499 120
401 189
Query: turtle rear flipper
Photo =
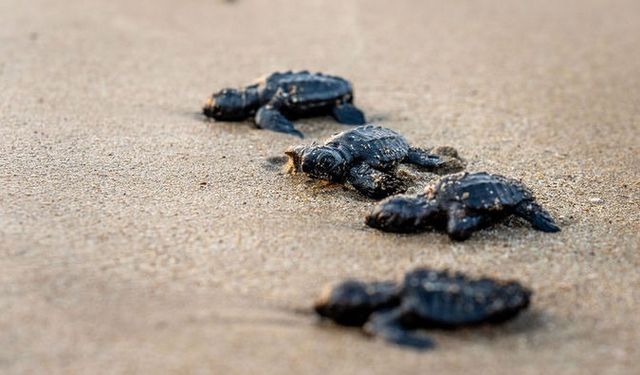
448 162
268 117
423 159
386 325
539 218
348 114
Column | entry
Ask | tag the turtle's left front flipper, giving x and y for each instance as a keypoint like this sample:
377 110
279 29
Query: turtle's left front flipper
539 218
348 114
441 160
461 224
269 117
374 183
387 325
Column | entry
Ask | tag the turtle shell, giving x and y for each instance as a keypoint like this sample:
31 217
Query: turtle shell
447 299
304 88
379 147
479 191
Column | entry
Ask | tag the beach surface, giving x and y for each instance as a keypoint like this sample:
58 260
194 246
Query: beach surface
136 237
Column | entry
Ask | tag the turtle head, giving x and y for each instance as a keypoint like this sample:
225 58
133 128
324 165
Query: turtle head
347 303
403 214
230 105
321 162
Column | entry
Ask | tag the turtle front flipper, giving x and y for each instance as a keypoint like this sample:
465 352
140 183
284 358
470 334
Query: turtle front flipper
268 117
348 114
539 218
462 224
441 160
386 325
374 183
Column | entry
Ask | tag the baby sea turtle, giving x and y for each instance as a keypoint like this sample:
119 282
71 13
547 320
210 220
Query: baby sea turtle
282 97
426 298
367 157
461 203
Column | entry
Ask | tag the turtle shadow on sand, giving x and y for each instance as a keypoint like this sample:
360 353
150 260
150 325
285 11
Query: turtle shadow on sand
276 163
525 324
493 234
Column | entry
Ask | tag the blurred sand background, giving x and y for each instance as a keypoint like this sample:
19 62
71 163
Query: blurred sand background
137 237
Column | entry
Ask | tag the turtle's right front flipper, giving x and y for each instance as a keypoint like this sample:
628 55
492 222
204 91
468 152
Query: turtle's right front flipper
268 117
387 325
374 183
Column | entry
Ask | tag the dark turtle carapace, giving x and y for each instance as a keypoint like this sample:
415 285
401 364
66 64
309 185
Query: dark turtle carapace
281 97
461 203
367 157
424 299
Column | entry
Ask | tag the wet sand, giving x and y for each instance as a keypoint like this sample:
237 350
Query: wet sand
137 237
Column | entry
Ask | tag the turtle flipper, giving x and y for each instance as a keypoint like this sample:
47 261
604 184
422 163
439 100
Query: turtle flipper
348 114
374 183
387 325
268 117
446 161
423 158
461 225
539 218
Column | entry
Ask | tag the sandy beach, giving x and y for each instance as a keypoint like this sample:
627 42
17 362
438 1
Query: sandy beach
137 237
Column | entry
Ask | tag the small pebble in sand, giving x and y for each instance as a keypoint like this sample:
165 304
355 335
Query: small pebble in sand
596 200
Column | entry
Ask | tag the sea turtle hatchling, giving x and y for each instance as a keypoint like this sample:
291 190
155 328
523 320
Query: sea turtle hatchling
282 97
461 203
426 298
367 157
